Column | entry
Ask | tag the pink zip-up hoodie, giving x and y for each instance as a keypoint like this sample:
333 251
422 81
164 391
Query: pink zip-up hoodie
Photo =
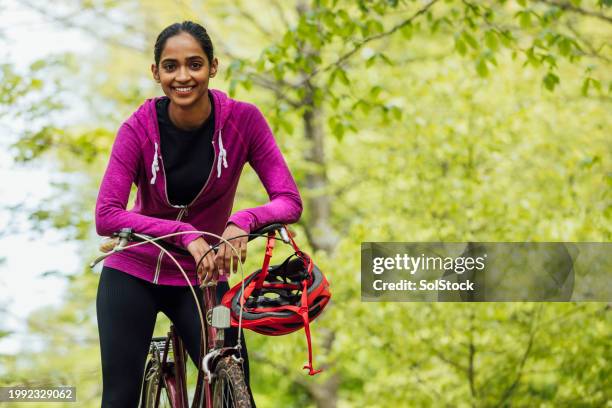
241 135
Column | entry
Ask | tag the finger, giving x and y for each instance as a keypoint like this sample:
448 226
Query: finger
204 271
227 260
235 258
214 271
209 277
239 256
219 258
243 250
211 272
200 266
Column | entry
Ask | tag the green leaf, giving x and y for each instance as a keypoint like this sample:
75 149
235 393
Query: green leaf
491 40
460 46
469 38
38 65
396 112
481 67
551 60
343 77
532 58
36 84
338 131
585 86
551 81
370 61
406 31
524 19
507 38
386 59
232 87
565 46
597 84
286 126
375 91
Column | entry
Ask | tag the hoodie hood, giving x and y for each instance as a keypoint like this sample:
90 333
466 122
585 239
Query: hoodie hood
145 118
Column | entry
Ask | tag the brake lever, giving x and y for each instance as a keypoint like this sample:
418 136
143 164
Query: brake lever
124 237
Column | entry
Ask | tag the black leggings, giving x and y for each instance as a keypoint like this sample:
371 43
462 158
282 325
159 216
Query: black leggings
127 308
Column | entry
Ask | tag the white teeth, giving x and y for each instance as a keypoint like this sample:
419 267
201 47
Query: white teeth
184 89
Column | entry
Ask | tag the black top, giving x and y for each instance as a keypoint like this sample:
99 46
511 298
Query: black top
187 155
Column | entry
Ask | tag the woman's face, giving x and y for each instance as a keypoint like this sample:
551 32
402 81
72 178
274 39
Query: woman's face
184 71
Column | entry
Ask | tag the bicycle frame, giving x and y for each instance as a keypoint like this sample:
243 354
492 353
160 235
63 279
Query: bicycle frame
176 382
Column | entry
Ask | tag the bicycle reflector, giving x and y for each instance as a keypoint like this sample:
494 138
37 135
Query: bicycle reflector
281 299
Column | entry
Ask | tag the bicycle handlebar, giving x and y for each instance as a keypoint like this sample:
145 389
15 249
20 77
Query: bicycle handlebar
127 235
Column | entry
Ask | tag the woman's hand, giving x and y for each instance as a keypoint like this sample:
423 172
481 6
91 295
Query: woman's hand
207 271
226 258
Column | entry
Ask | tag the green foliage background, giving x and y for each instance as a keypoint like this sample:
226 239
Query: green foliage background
441 121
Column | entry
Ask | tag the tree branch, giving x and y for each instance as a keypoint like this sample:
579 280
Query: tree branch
281 13
565 5
512 387
367 40
251 18
593 52
472 355
67 21
274 86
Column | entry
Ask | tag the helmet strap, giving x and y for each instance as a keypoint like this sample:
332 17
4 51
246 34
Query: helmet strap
264 269
303 312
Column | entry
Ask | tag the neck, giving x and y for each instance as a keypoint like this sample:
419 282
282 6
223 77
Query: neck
191 117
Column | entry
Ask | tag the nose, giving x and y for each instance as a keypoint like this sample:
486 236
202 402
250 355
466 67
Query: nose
183 74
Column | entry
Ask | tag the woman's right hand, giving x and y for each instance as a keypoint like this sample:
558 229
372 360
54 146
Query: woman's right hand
207 271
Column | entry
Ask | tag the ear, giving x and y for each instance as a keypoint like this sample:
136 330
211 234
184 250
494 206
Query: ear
155 73
213 67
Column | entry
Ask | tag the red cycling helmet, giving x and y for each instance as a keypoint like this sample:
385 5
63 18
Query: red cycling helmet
280 299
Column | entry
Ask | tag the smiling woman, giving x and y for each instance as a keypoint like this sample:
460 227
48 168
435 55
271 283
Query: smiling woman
184 63
185 152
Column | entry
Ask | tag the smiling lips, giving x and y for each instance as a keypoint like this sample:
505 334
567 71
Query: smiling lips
184 90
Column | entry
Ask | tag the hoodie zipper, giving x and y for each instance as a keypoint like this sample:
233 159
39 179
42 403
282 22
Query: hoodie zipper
184 208
161 253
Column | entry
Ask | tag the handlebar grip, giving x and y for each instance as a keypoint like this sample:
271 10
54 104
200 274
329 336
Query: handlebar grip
265 229
108 245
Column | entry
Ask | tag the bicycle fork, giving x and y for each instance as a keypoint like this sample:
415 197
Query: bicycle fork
217 320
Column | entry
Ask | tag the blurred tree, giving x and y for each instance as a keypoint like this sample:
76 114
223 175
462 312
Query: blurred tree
402 120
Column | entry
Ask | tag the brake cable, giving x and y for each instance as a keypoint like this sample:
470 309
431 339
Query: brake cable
152 240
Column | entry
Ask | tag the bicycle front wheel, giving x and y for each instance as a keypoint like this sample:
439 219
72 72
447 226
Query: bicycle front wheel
229 389
152 382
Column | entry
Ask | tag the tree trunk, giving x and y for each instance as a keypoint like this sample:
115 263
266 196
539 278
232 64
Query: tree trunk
318 227
321 233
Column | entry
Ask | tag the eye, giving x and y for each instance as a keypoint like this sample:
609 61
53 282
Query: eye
196 65
169 67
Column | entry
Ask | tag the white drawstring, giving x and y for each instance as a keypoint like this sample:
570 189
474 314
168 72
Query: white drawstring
154 166
222 156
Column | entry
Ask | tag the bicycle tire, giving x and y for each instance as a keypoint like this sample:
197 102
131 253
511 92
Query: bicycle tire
229 389
150 385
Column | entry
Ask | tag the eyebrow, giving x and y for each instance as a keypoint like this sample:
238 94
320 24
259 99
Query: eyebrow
194 57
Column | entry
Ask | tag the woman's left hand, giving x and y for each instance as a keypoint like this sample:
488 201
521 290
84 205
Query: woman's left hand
226 258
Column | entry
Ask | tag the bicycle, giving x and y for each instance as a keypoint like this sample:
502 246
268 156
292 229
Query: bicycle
220 381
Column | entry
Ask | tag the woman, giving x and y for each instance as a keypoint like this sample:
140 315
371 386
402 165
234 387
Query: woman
185 153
